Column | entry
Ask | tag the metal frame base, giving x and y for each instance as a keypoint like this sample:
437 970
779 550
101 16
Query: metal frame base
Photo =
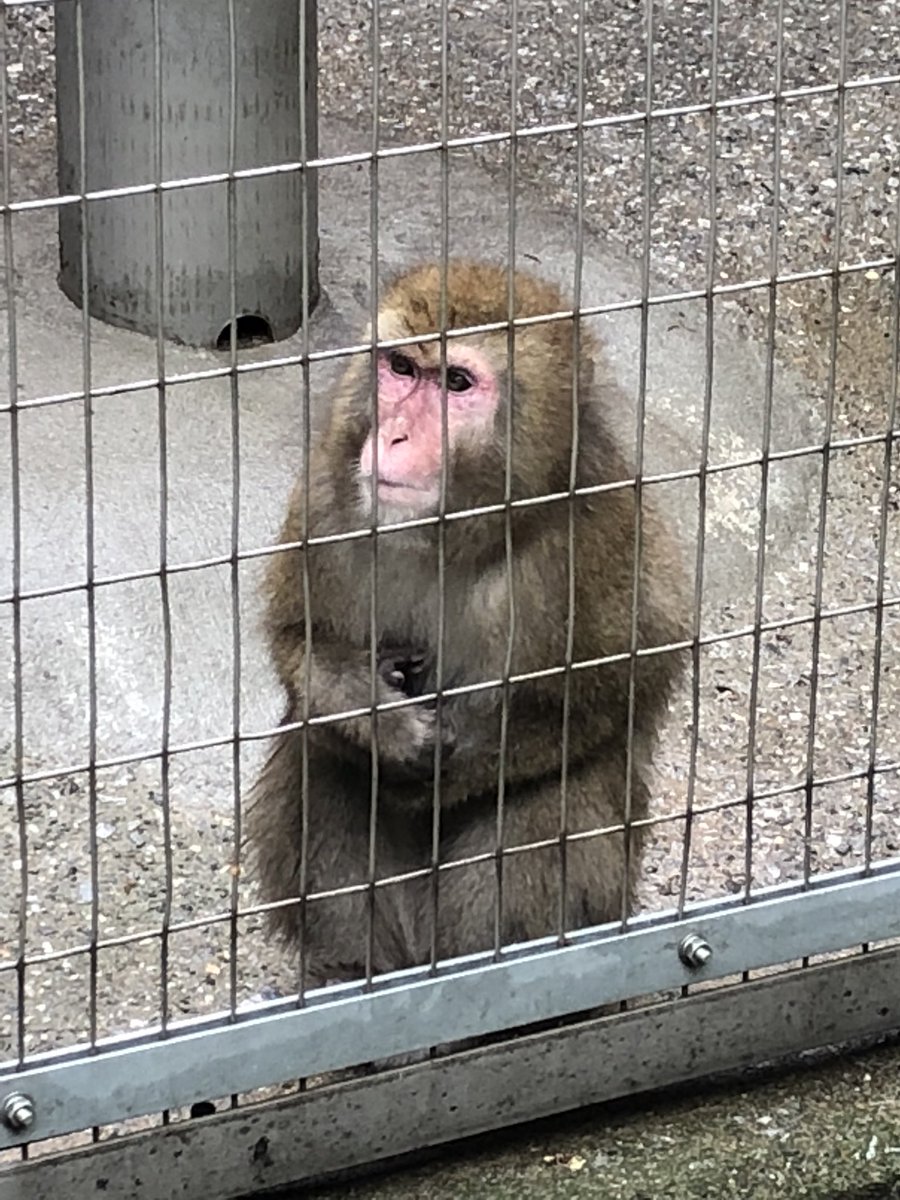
343 1026
331 1130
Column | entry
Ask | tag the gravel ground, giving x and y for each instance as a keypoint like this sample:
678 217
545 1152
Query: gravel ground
831 205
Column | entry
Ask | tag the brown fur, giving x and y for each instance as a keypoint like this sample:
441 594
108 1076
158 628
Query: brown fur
477 616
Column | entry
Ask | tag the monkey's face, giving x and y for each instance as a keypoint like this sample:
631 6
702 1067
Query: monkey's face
401 474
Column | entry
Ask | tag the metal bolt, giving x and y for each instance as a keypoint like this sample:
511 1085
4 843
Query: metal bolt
17 1111
694 951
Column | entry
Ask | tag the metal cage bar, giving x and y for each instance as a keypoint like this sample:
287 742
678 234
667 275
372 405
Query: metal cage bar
172 1063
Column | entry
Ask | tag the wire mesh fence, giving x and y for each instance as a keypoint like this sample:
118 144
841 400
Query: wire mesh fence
714 191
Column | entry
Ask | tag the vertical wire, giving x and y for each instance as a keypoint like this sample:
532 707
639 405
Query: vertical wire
702 478
307 7
16 566
884 508
89 528
639 463
442 502
235 499
373 598
162 422
573 482
512 184
764 464
809 782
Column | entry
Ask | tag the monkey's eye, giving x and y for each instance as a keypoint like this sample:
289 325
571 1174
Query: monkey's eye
458 380
401 365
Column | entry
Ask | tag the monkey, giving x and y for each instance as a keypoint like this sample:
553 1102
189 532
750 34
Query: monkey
478 442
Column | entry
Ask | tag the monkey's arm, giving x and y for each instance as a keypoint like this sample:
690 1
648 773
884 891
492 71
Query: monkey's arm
337 678
596 715
534 732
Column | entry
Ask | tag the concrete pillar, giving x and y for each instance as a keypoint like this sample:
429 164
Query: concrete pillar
121 125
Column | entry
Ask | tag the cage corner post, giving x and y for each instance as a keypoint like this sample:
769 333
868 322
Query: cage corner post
109 123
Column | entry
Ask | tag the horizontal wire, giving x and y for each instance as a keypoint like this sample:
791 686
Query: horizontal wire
585 490
463 142
715 639
224 916
783 279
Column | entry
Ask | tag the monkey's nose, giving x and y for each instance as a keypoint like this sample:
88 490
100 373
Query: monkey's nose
398 438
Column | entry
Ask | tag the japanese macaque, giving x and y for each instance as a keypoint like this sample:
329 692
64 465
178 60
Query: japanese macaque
508 606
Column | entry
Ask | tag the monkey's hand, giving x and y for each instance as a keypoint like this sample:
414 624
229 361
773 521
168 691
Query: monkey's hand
402 668
407 745
407 737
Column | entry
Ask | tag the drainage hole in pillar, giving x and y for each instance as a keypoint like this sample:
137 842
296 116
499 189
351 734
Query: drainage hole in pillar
251 331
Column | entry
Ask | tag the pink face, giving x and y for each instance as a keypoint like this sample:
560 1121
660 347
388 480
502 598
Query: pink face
410 404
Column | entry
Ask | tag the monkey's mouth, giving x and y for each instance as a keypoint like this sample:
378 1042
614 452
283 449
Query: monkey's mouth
396 489
395 485
395 496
